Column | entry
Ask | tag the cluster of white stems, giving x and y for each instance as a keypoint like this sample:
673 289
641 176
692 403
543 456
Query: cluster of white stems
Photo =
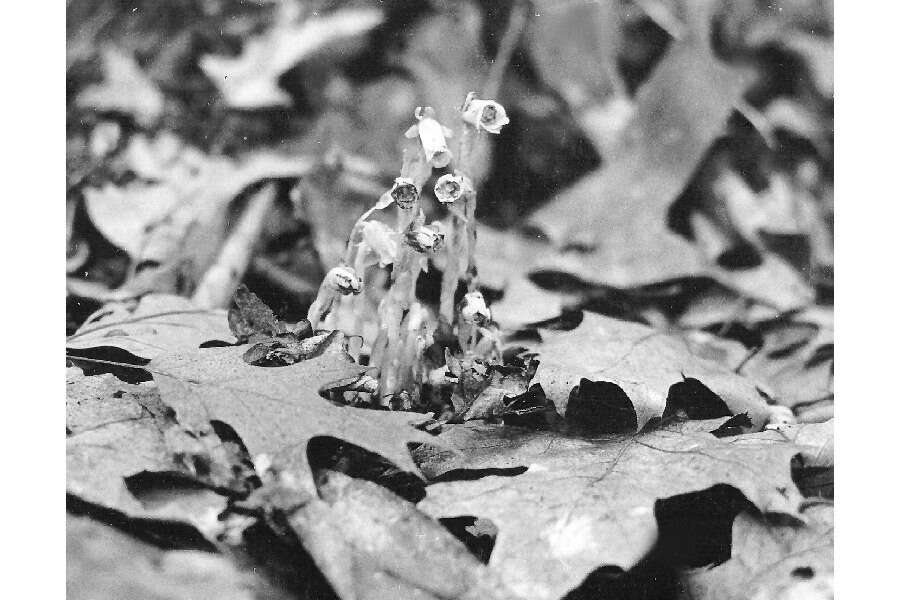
406 327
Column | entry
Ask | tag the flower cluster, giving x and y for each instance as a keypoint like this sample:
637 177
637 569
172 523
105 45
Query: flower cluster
382 263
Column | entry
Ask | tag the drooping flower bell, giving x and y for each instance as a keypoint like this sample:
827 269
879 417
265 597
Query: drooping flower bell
474 310
488 115
433 136
343 280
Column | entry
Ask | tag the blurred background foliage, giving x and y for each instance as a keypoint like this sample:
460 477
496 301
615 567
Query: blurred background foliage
660 152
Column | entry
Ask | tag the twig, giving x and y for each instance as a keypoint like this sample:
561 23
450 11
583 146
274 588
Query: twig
221 280
93 290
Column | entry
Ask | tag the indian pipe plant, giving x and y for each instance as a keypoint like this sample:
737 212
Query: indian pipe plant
374 288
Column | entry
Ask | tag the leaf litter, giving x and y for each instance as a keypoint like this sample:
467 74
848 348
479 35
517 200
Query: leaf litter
154 325
603 358
698 353
586 503
277 410
117 431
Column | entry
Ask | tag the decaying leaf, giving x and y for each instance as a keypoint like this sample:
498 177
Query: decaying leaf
250 316
796 359
251 80
621 209
102 562
772 561
173 226
372 544
116 431
605 358
152 326
575 48
586 503
274 343
276 410
125 90
612 226
124 214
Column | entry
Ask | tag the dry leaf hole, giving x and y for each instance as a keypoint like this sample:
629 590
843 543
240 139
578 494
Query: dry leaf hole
108 359
326 453
165 534
695 400
479 535
694 530
600 407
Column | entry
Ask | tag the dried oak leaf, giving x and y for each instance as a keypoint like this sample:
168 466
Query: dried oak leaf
251 316
373 545
612 226
604 358
771 561
152 326
574 49
124 214
680 111
587 503
173 226
251 80
116 430
276 410
125 90
796 359
102 562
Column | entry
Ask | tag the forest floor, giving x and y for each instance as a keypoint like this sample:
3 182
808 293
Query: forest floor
643 408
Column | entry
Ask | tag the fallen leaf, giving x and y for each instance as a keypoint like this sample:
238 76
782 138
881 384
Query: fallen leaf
173 226
574 48
88 401
251 316
500 388
102 562
771 561
276 410
606 357
796 359
125 89
587 503
621 209
116 430
251 80
372 544
155 325
612 226
124 214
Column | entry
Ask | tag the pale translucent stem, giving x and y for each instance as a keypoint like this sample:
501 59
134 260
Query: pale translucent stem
321 306
450 276
471 269
466 155
414 330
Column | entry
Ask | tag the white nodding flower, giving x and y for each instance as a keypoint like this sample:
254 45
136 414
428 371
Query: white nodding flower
433 136
343 280
484 114
449 188
404 192
473 309
425 238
